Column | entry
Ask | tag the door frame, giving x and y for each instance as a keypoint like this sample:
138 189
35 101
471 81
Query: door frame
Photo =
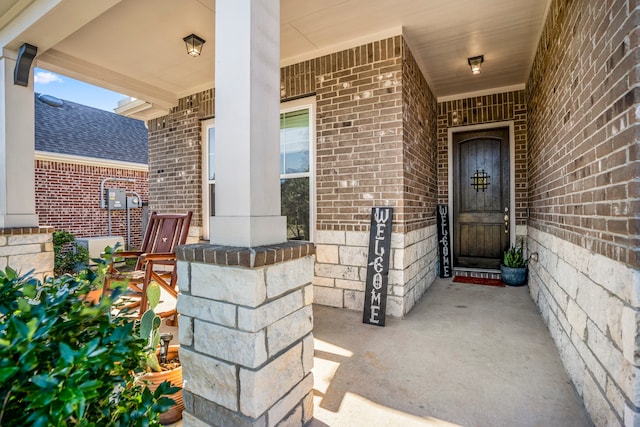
512 172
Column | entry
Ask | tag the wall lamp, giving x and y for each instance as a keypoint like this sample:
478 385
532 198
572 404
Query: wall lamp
194 44
474 63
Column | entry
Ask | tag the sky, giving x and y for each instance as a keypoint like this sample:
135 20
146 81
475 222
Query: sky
76 91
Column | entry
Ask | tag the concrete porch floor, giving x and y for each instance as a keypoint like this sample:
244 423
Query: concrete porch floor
466 355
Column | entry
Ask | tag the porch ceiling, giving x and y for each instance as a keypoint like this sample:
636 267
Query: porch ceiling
135 46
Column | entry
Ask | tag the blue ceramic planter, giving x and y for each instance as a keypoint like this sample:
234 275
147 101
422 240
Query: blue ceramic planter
513 276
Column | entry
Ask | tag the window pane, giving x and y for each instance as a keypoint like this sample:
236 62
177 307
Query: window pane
294 142
295 205
212 199
212 153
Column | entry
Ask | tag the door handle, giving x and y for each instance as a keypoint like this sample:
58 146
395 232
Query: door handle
506 220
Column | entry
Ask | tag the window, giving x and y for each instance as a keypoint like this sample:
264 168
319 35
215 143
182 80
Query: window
297 167
209 174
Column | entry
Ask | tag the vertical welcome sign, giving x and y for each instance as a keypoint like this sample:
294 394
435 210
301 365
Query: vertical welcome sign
444 241
375 298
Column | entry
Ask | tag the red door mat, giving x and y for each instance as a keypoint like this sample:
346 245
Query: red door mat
478 281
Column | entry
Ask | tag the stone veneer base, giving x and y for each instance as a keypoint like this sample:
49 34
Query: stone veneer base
246 334
591 305
27 249
341 268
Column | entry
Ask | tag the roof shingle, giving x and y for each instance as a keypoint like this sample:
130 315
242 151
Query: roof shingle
80 130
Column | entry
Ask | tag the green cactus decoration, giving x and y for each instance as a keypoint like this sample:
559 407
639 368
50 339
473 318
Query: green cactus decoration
514 257
150 326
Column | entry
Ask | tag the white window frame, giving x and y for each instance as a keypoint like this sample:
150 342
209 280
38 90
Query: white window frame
285 107
205 126
310 104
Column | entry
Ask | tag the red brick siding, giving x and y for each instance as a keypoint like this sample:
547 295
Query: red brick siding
583 146
68 198
498 107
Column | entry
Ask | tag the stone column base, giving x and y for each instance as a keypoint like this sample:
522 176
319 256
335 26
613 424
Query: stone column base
27 249
246 334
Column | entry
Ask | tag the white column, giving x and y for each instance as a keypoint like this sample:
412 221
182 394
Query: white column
17 141
247 90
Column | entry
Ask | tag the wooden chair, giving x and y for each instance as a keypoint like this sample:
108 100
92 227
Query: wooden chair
156 260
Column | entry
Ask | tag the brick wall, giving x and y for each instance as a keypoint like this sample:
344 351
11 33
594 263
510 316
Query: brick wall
584 199
420 186
582 92
376 145
68 198
360 140
175 158
506 106
374 112
360 143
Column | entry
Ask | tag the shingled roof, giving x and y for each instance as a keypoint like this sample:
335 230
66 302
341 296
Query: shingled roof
80 130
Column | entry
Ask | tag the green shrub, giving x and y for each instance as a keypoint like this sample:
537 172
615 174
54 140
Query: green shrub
64 362
68 256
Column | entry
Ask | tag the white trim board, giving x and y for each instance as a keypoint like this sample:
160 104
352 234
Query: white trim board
90 161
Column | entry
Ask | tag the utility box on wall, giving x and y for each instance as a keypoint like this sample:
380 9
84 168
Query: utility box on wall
116 198
134 202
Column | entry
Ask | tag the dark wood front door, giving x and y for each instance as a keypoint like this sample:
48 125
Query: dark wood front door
481 197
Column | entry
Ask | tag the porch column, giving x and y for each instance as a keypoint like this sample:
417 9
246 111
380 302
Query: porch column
246 342
23 245
247 124
17 141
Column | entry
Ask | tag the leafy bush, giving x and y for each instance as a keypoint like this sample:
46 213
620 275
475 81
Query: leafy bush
64 362
514 257
68 256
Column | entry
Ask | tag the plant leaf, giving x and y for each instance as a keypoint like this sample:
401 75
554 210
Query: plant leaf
6 373
23 305
153 295
66 353
44 381
146 324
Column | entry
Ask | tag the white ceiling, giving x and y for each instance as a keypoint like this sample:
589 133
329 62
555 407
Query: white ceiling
135 47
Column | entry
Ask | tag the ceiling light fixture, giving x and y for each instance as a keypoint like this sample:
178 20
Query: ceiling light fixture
194 44
474 63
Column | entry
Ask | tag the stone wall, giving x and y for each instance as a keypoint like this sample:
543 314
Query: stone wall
584 199
28 248
341 268
246 338
589 303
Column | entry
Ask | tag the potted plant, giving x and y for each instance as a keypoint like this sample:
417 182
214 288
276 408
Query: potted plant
65 362
514 266
162 362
